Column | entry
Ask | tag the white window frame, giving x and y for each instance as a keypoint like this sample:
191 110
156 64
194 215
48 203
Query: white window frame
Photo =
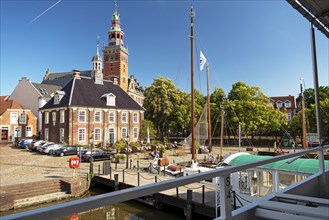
287 104
23 118
97 134
82 116
279 104
110 100
135 133
13 117
53 116
124 117
111 116
135 116
56 99
124 130
46 117
113 135
62 116
81 134
28 131
19 129
61 135
98 116
46 134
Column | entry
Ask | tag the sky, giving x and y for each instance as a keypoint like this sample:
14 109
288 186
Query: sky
262 43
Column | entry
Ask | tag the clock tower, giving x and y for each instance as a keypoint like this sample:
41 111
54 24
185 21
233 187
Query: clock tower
115 54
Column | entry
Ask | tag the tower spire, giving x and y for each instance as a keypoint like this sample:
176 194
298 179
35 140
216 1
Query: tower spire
97 46
115 7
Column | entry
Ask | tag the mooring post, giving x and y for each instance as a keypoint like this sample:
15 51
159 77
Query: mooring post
164 170
138 179
203 194
116 165
159 170
150 168
116 182
123 175
99 169
180 171
177 193
131 161
189 205
156 179
137 165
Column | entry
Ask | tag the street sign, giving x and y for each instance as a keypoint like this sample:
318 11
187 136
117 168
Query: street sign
74 162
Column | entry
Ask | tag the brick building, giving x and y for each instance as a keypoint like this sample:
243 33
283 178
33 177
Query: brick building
16 121
285 104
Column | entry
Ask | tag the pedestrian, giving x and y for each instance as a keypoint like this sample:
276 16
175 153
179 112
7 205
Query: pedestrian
293 146
274 146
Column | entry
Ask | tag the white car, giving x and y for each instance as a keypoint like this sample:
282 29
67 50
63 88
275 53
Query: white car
44 146
51 148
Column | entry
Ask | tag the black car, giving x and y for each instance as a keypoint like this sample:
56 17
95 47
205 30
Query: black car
96 154
64 151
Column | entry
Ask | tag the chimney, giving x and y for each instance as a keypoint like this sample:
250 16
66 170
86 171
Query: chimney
76 74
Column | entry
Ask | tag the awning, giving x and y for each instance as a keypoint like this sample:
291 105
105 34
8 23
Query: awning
316 11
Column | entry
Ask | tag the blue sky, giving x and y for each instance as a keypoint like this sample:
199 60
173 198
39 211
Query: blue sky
263 43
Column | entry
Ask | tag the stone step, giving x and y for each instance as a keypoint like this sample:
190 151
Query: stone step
31 185
40 199
38 191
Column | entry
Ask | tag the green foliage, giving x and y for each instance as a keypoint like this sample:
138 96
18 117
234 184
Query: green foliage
162 149
120 157
143 132
120 144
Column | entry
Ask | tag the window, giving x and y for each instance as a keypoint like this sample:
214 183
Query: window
279 104
82 134
111 117
46 134
46 117
22 118
53 116
82 116
56 100
61 135
135 133
110 100
124 132
289 116
97 116
124 117
18 131
111 136
62 116
97 134
135 117
28 131
13 118
287 104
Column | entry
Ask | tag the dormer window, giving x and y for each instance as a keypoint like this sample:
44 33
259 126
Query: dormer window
58 97
287 104
110 99
279 104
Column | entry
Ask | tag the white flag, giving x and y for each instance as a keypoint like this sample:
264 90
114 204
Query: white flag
203 60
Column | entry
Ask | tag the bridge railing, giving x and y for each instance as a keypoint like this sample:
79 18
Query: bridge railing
77 206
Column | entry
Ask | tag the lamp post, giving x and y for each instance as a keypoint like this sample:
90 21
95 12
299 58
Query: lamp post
127 151
91 142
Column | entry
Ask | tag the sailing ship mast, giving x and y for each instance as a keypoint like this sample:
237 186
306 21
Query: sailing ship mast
303 115
208 109
192 14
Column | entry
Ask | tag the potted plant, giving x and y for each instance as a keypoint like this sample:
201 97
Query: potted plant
120 158
162 151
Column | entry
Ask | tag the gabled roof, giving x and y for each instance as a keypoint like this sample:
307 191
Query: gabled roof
84 92
5 104
283 99
61 79
46 90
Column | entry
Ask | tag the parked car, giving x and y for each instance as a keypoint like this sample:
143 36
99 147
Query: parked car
64 151
34 145
51 148
24 143
44 146
96 154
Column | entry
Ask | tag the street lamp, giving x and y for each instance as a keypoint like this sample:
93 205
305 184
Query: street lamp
91 142
127 150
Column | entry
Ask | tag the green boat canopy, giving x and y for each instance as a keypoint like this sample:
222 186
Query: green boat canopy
300 165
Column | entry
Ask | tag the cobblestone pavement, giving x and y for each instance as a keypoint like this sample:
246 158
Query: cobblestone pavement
21 166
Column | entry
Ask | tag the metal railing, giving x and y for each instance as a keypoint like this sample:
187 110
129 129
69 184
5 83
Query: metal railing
77 206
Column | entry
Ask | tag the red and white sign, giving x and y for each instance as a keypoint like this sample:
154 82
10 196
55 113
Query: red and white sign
74 162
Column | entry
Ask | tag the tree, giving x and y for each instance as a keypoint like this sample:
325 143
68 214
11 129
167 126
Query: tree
160 101
216 102
309 96
143 132
249 106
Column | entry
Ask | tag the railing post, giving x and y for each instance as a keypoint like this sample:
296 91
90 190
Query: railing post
137 165
156 179
177 192
110 172
189 205
123 175
203 194
131 161
164 170
225 197
116 182
138 179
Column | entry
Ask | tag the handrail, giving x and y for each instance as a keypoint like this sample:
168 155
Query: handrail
97 201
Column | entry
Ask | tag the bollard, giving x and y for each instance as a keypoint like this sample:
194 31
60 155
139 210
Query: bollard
180 171
164 170
173 161
177 193
99 169
138 179
110 173
137 165
205 158
116 165
123 176
116 182
159 170
156 179
131 161
203 187
189 205
150 168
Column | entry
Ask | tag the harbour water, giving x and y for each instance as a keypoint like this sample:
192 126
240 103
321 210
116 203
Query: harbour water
131 210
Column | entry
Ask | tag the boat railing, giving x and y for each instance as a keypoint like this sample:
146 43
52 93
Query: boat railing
81 205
